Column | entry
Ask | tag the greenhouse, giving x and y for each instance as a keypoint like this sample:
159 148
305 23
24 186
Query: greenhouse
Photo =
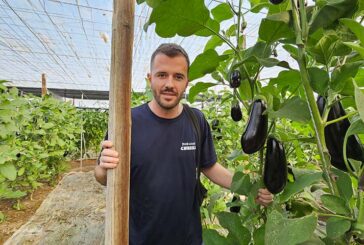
182 122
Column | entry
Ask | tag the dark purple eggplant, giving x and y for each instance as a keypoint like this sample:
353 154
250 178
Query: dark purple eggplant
235 113
335 135
235 79
275 166
235 209
256 131
275 2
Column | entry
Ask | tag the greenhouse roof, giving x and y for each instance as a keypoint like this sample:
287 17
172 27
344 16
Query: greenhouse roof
69 41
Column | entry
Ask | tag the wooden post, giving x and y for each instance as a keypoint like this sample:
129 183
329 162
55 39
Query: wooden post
118 180
44 85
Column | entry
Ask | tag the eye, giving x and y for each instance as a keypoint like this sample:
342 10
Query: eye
161 75
179 77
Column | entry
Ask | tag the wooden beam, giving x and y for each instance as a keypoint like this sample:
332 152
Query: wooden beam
44 85
118 180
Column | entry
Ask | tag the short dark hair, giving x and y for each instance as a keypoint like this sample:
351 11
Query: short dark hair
171 50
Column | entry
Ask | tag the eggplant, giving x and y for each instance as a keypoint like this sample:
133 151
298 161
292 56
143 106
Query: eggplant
275 2
235 113
235 209
335 135
235 79
275 166
256 131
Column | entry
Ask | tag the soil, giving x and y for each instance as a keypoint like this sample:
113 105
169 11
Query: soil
14 219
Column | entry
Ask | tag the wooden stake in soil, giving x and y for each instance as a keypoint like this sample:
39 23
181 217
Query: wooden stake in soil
44 85
117 203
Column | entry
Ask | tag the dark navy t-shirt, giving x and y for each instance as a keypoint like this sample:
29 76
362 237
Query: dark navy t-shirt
163 210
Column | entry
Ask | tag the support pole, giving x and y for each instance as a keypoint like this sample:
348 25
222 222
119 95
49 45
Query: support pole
118 180
44 85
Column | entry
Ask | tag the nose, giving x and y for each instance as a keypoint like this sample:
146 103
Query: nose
169 82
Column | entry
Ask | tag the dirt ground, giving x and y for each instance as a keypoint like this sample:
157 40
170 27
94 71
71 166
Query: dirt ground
15 219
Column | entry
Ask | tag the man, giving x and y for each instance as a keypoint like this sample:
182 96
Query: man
163 206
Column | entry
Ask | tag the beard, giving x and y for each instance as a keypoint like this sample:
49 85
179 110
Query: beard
164 104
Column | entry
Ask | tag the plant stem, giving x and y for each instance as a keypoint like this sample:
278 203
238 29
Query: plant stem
359 225
335 215
341 118
238 27
310 98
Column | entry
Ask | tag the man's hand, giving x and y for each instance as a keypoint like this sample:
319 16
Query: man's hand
264 197
109 157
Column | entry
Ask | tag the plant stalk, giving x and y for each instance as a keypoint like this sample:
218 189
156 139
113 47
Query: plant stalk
310 98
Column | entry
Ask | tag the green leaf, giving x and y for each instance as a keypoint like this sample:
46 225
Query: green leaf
356 47
8 170
212 237
198 88
302 181
335 204
295 109
319 80
343 183
291 231
355 27
336 227
328 46
214 42
210 27
205 63
287 79
222 12
356 127
271 31
232 223
359 101
259 235
241 183
21 171
341 75
187 16
331 12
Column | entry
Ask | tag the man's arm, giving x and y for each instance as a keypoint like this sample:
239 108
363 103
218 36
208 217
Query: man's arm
101 175
222 177
219 175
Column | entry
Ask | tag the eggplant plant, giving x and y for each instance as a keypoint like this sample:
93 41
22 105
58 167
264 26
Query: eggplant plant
323 204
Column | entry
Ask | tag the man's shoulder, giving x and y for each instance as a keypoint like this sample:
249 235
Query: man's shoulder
138 109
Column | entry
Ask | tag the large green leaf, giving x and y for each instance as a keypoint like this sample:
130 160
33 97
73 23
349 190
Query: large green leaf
287 79
280 230
198 88
335 204
8 170
326 47
356 28
319 80
232 222
331 12
187 16
356 47
212 237
205 63
259 235
271 30
336 227
302 181
359 101
295 109
210 27
222 12
343 183
341 74
214 42
241 183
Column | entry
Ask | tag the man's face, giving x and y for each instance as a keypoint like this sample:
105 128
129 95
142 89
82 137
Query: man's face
168 79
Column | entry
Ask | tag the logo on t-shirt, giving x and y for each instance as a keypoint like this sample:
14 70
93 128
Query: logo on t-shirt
188 146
